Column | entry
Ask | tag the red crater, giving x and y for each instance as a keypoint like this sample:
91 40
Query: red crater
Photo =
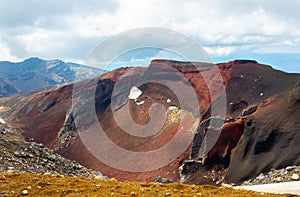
49 116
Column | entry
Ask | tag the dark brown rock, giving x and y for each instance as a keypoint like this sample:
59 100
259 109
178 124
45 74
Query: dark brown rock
271 140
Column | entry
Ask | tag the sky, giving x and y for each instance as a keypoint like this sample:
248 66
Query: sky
265 30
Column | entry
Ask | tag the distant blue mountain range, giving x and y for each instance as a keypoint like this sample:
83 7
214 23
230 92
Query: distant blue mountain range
36 73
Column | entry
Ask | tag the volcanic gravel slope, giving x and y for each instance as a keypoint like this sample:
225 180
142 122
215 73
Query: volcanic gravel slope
270 138
20 157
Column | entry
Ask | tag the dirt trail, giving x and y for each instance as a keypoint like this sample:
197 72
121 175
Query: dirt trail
280 188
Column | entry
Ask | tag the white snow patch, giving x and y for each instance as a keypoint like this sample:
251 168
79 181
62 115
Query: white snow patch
261 94
139 102
134 93
2 121
168 100
57 78
242 76
1 107
52 64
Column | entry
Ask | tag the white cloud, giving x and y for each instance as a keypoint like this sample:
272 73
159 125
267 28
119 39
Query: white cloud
5 53
69 30
219 51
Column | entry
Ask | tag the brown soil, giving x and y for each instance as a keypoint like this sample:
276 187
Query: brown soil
46 185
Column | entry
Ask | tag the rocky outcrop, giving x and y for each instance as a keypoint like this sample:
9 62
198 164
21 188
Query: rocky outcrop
188 168
160 179
67 133
213 148
228 137
194 172
213 122
249 111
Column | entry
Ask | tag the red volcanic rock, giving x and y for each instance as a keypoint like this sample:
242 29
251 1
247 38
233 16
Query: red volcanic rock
51 117
228 137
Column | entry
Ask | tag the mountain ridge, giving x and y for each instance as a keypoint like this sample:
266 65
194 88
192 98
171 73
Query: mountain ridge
35 73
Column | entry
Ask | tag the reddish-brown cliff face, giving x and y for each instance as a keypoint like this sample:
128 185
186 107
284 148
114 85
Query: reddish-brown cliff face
228 137
48 116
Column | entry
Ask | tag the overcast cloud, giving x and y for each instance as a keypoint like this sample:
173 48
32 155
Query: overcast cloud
227 29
